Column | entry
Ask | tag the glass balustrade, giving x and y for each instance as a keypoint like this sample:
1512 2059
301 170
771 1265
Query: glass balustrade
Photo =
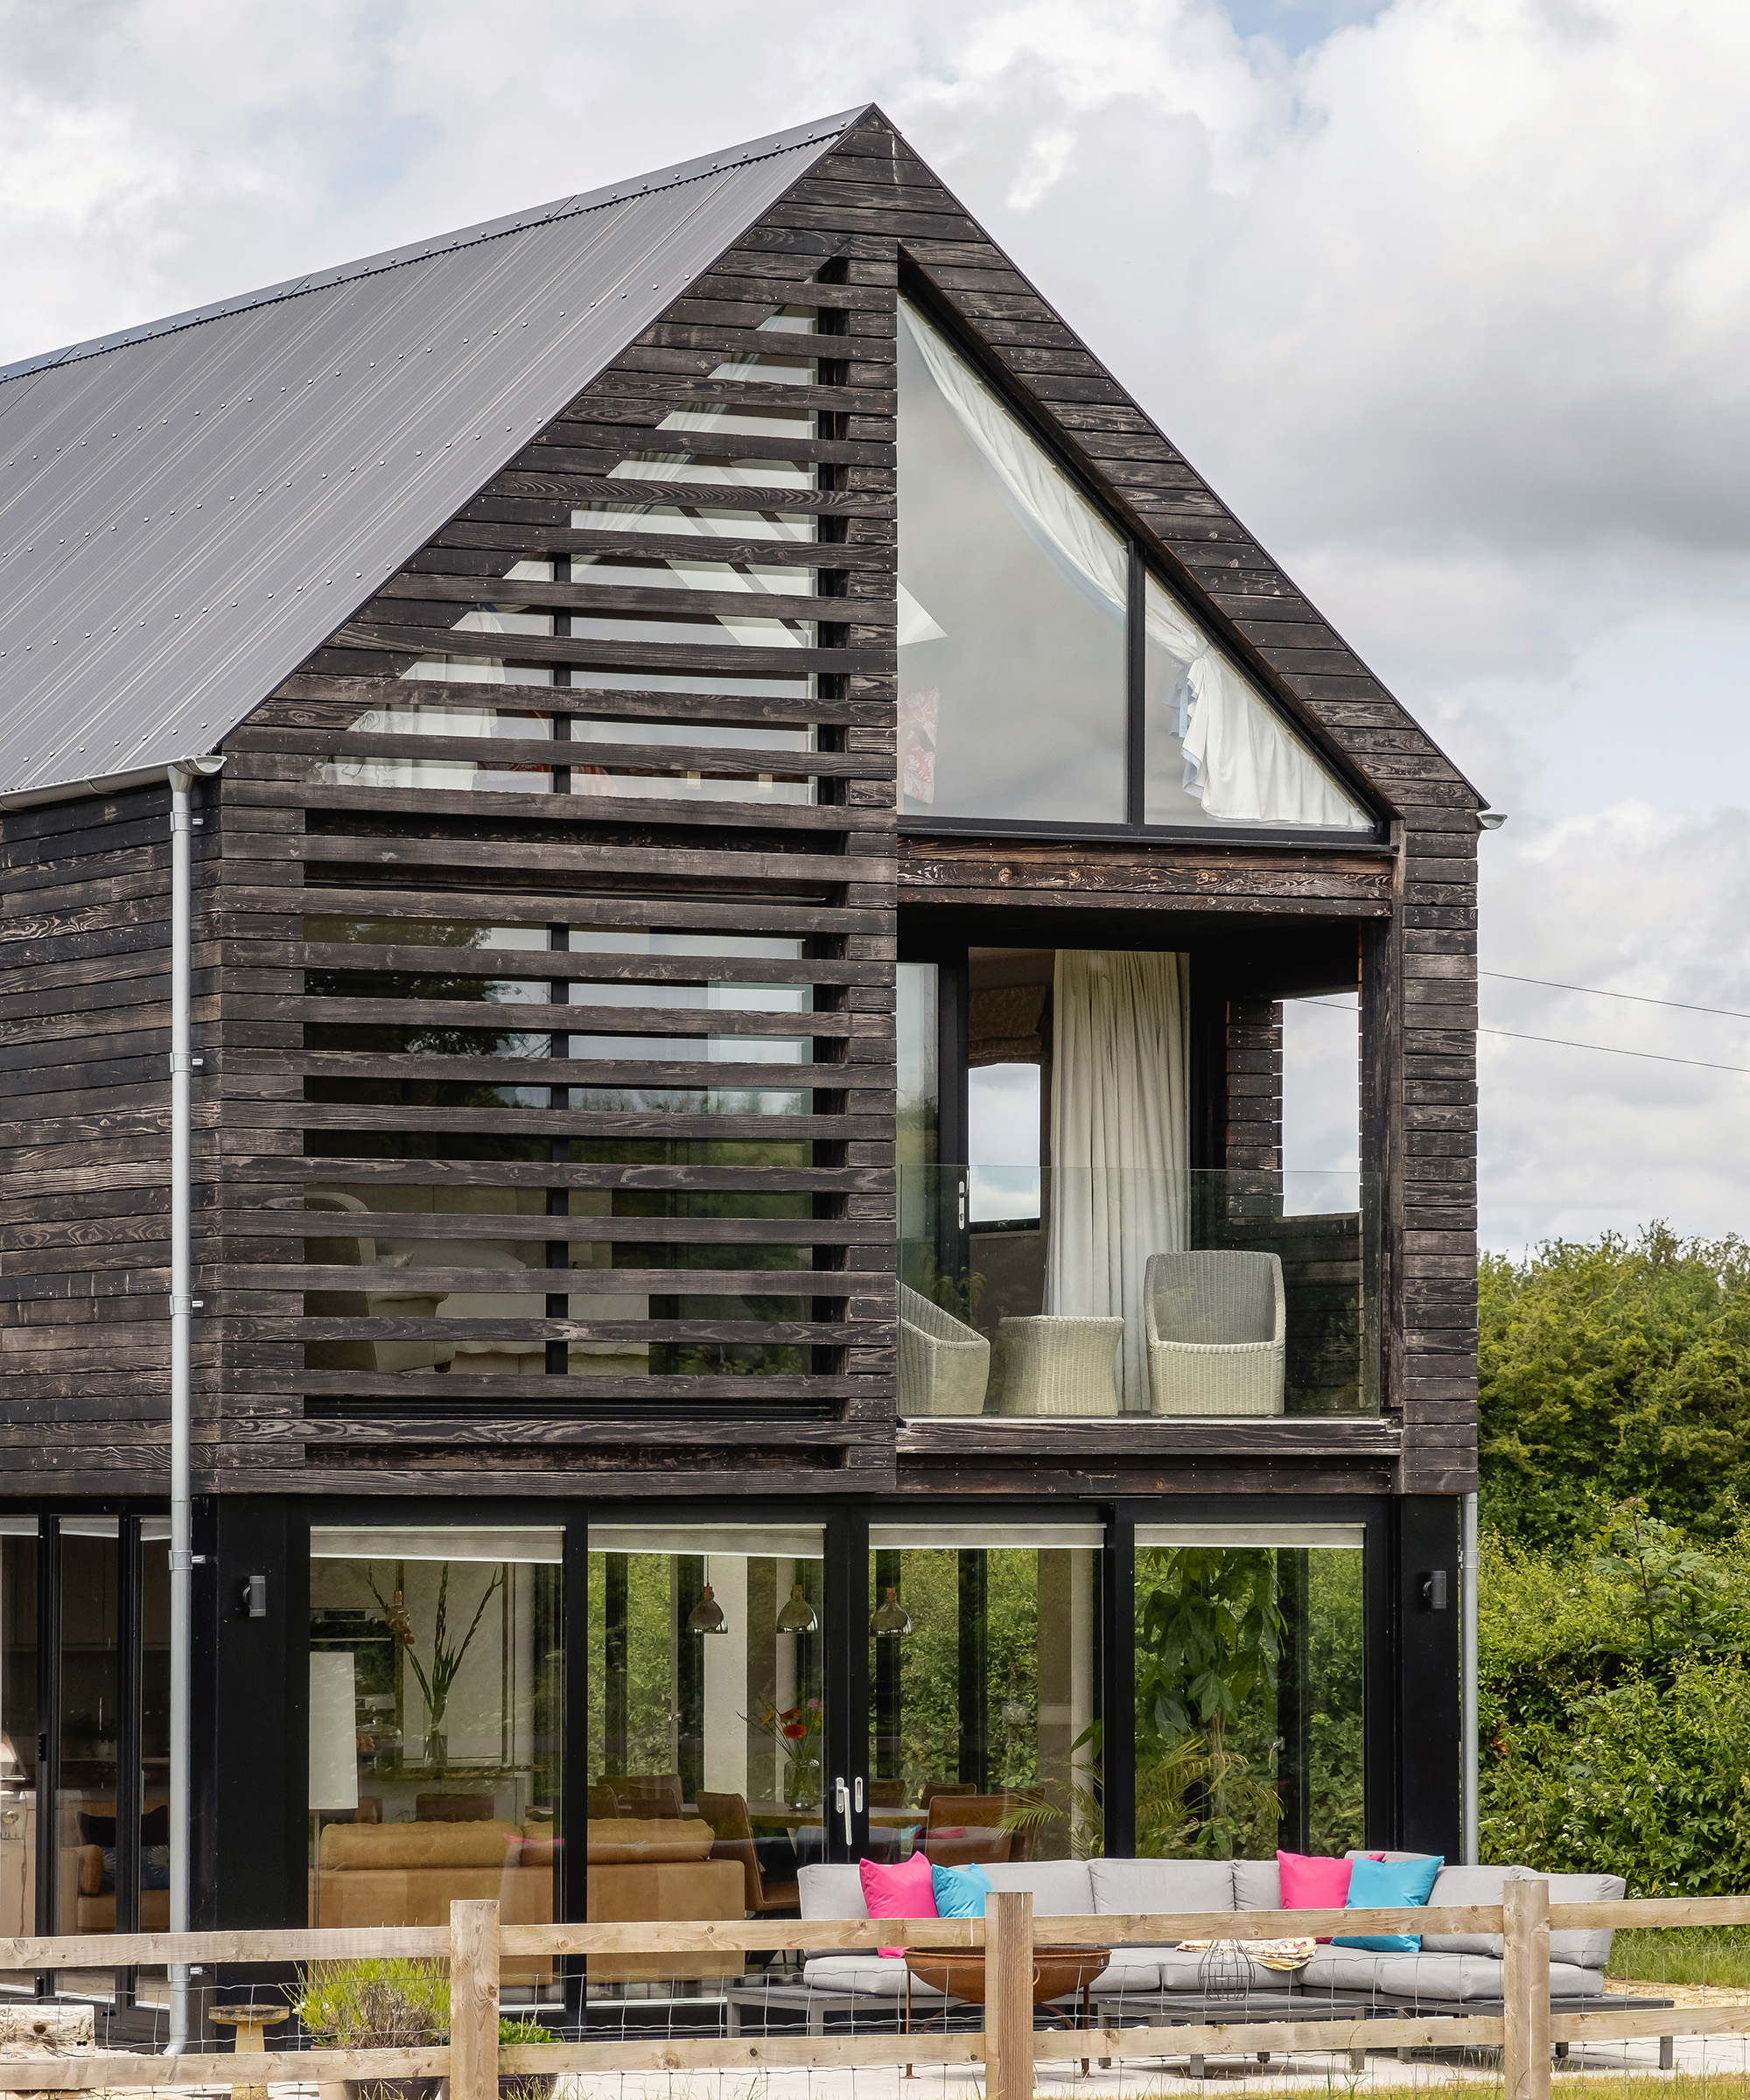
1060 1291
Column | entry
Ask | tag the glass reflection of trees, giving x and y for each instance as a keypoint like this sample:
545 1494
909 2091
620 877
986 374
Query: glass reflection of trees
1249 1683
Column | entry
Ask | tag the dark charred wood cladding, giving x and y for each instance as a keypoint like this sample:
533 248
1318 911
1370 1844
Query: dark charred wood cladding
545 970
564 951
85 1146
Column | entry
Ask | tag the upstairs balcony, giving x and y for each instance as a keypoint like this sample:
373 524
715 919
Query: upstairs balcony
1170 1293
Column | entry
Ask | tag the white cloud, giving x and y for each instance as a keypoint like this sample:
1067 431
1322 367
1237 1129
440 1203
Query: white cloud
1634 899
1449 304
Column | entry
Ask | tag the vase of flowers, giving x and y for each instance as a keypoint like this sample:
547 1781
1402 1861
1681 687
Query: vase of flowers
446 1655
797 1730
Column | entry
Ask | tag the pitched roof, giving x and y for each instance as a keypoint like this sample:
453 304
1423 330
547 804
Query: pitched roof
174 539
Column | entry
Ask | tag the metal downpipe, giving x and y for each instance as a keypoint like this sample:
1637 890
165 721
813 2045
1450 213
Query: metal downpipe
1467 1680
182 777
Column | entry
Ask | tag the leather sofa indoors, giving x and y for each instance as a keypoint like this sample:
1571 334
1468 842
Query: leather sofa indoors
659 1867
1453 1968
409 1874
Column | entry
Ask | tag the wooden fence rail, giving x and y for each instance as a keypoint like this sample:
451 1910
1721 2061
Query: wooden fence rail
1008 2048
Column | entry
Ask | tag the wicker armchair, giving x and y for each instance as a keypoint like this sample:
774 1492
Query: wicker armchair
1216 1325
944 1365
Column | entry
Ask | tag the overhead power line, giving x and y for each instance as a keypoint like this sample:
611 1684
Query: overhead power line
1610 1050
1641 998
1561 1042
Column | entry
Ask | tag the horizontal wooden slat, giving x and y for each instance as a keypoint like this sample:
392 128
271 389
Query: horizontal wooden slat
690 601
689 495
623 536
501 906
762 1333
563 1071
445 1225
301 748
556 1123
615 701
427 1278
578 859
743 2052
597 965
407 1392
722 1022
757 342
781 1430
685 659
103 2073
599 448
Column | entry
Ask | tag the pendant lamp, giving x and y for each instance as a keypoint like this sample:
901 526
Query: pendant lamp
706 1616
798 1616
890 1616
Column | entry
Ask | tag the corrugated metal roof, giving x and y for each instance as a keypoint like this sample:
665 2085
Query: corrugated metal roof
188 508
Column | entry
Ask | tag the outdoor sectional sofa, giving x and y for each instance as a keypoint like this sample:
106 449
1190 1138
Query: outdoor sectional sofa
1454 1973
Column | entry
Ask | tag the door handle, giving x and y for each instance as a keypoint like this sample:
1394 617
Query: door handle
841 1797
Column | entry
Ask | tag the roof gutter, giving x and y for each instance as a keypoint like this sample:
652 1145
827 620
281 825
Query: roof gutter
183 775
111 783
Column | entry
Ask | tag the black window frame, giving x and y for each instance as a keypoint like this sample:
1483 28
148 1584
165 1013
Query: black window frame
1142 562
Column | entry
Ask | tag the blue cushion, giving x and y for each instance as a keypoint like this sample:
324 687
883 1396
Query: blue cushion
960 1891
1389 1885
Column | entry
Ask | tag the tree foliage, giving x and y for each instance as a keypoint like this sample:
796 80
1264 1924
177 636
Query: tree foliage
1611 1369
1615 1705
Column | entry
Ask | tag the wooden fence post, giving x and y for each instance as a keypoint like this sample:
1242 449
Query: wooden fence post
1009 1995
1525 2051
473 2001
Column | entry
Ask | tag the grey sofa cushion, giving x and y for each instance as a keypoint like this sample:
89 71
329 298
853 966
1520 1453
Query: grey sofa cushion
1133 1969
1460 1887
1184 1973
1154 1887
1060 1888
1571 1979
1584 1950
871 1975
1446 1977
830 1890
1341 1968
1257 1885
1464 1884
1440 1978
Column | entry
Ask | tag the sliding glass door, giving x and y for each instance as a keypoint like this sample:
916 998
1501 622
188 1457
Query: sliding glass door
984 1691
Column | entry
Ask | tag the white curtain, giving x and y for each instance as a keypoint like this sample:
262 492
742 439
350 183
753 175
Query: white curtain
1119 1137
1241 761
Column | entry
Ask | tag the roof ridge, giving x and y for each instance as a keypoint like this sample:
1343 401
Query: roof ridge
676 177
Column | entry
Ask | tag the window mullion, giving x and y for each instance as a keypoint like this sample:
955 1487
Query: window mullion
1135 641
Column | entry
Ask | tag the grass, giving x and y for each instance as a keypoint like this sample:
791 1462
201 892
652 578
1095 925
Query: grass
1703 1954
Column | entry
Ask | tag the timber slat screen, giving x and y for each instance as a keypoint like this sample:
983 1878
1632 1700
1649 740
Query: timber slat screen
685 853
658 752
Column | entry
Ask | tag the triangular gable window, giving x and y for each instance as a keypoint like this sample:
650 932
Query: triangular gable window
1015 595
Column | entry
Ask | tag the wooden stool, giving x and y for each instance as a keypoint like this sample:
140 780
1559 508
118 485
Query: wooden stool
250 2021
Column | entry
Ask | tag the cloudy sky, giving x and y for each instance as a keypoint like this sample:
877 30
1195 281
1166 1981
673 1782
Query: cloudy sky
1449 299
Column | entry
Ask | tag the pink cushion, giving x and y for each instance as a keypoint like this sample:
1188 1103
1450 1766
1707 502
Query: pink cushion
1313 1883
905 1891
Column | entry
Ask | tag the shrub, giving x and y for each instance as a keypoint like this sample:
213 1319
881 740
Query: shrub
1649 1780
376 2005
